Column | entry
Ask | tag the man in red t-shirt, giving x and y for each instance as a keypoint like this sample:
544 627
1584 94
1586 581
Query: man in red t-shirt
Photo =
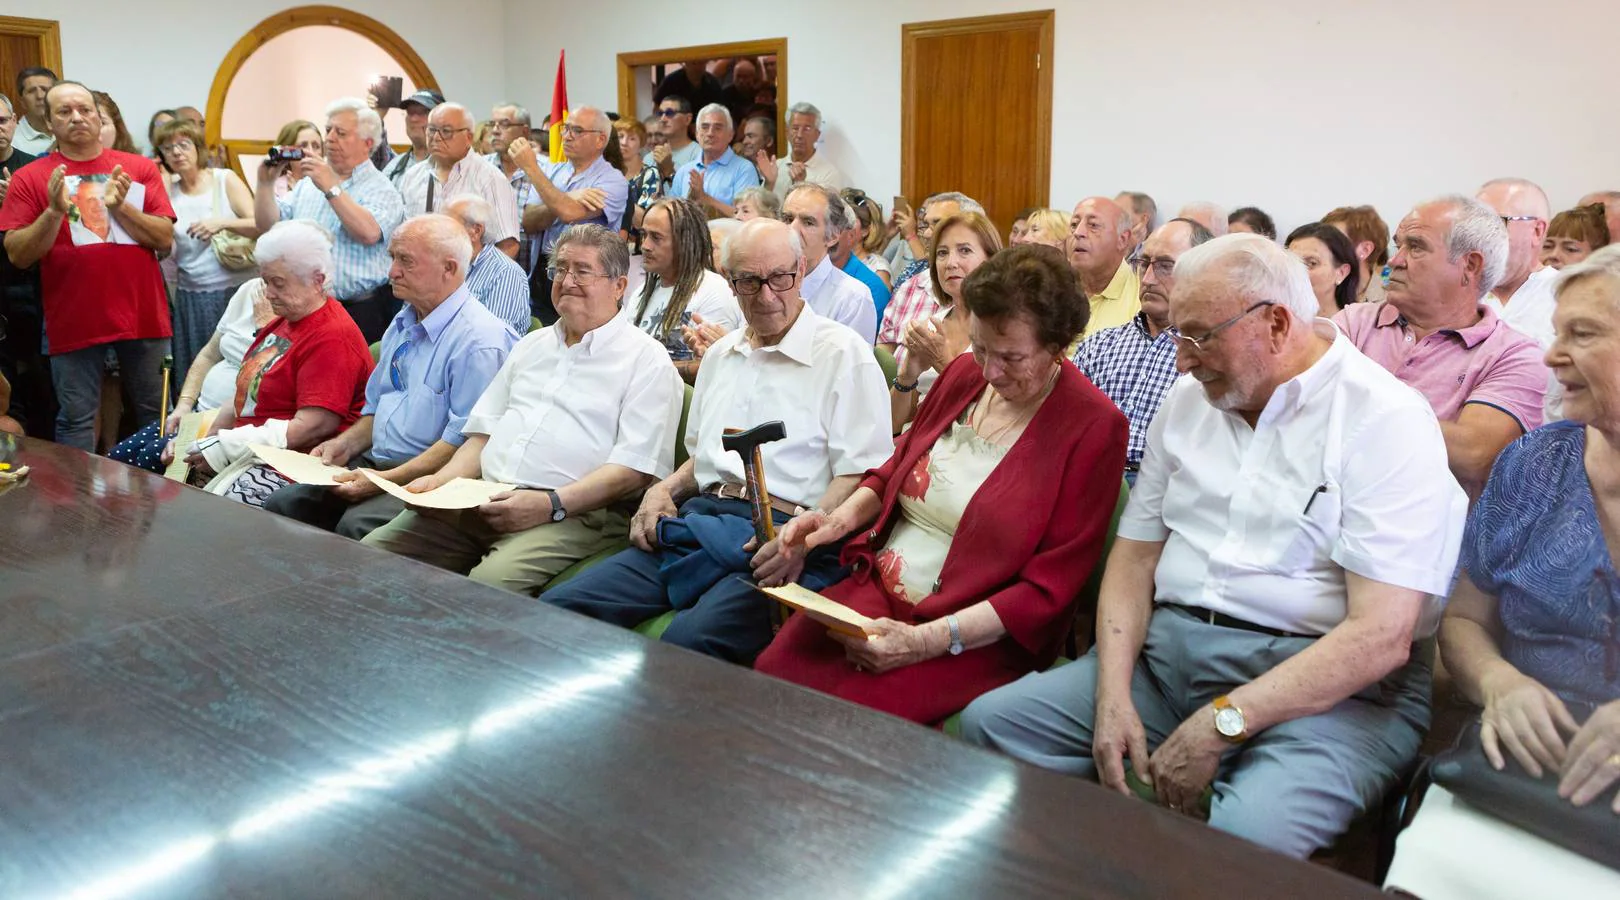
94 219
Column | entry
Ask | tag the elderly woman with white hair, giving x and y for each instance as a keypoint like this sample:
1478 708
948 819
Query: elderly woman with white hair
302 380
1532 635
493 278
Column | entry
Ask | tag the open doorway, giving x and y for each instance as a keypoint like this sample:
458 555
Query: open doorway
748 77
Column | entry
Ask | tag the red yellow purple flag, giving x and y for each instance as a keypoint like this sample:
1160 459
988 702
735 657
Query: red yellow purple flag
559 109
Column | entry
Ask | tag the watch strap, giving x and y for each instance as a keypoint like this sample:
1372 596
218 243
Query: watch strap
956 634
558 513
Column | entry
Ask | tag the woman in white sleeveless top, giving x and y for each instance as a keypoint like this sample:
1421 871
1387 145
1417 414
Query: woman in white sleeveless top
206 201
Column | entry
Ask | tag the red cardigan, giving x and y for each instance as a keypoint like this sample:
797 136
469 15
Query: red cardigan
1031 535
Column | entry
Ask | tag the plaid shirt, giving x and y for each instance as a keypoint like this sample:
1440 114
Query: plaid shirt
913 300
359 268
1135 370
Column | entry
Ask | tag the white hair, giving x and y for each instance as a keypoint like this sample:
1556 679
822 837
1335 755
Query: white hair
716 109
472 209
1602 263
720 231
1257 269
467 118
805 109
12 110
963 202
1476 228
1538 197
443 234
1199 210
299 244
367 122
747 233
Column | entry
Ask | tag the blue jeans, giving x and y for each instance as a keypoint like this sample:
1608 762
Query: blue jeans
77 377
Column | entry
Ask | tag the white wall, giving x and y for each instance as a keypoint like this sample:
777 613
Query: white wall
263 98
1294 107
163 53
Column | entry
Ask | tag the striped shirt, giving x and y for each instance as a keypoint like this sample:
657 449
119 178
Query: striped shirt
360 268
1135 370
499 283
915 300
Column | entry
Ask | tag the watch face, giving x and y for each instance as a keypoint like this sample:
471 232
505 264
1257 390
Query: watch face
1229 721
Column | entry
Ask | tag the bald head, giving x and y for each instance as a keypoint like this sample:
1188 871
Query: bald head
475 215
1100 240
430 255
1209 215
1524 209
585 136
1157 271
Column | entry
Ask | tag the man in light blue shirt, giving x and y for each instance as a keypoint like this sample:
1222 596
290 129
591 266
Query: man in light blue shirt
346 195
493 279
714 178
439 354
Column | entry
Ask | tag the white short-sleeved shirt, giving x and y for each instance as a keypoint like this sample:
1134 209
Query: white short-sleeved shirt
472 174
820 380
1530 312
837 295
555 413
712 300
236 334
1344 438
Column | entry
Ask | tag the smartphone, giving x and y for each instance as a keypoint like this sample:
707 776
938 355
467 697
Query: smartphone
389 91
900 203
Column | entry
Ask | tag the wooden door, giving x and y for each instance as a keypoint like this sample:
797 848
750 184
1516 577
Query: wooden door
976 110
24 43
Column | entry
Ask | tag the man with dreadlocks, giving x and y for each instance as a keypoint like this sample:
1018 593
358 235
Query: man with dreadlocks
681 290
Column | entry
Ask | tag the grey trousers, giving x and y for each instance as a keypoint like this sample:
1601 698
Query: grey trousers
1293 788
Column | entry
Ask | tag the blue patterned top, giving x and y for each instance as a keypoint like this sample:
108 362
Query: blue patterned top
1534 543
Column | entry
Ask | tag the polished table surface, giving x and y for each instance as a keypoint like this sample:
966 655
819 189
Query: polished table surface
200 699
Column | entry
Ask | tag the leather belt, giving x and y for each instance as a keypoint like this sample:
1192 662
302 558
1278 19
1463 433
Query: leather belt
728 491
1212 617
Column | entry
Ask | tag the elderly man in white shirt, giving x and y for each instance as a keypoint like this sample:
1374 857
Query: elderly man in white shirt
452 168
1283 554
693 533
819 215
1524 296
804 164
582 415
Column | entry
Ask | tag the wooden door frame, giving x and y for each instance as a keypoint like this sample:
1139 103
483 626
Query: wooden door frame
48 32
281 23
777 47
911 32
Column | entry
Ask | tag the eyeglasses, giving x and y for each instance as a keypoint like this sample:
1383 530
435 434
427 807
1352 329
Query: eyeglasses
749 285
508 123
436 131
1197 343
581 277
1508 220
576 131
1163 267
179 146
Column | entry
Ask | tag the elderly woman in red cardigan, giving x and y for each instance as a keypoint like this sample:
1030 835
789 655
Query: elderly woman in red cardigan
975 538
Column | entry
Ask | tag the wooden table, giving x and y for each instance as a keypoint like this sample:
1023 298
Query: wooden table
200 699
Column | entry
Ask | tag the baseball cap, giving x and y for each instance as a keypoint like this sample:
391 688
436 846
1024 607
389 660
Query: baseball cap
424 99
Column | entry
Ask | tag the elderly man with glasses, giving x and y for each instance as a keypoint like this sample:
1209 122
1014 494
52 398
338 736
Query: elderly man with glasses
1285 550
581 416
1135 363
715 178
692 533
510 122
583 189
453 168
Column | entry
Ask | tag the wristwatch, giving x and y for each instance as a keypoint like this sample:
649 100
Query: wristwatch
557 511
956 635
1229 722
333 192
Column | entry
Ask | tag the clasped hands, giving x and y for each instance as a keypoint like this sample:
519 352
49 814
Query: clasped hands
1532 722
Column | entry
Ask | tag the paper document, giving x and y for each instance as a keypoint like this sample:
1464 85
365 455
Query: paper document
300 467
458 493
830 613
193 426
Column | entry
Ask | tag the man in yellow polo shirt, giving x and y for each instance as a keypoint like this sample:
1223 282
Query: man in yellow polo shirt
1099 246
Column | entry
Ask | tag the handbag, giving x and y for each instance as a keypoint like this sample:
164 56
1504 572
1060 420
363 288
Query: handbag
1526 802
234 251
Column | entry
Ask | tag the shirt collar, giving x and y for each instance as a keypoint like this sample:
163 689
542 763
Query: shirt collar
724 160
1116 285
481 258
442 315
1471 336
796 344
355 175
597 339
817 277
1298 391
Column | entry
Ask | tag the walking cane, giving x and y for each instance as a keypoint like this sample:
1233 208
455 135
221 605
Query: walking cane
163 403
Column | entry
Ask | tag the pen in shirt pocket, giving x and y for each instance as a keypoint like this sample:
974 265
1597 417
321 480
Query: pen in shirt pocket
1320 489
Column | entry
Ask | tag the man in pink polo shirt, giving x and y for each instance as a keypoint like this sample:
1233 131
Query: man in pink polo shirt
1485 380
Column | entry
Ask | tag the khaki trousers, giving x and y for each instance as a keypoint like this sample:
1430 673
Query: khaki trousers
521 562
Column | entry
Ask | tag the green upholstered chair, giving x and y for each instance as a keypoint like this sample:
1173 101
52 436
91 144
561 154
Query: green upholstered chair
619 546
376 352
886 362
534 325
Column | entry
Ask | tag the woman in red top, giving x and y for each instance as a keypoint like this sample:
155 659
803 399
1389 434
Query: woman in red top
304 377
977 535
